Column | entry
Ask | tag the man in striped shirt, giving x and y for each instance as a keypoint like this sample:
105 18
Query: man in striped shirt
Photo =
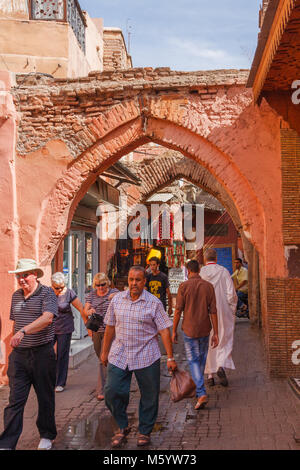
32 360
133 321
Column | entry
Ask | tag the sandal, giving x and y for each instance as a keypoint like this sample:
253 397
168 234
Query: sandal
143 440
201 402
120 437
100 397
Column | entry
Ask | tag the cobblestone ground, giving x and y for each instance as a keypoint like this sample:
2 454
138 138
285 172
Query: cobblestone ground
253 412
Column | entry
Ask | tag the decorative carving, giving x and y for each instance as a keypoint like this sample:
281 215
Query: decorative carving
47 10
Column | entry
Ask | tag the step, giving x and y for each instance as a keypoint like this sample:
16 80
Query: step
80 350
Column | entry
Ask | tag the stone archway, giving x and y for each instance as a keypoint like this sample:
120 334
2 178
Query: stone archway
71 131
77 179
206 157
164 170
160 172
208 116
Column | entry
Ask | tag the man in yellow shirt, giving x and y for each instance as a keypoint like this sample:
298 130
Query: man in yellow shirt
240 279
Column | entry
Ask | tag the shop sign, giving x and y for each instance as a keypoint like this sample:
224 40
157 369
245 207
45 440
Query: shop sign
176 277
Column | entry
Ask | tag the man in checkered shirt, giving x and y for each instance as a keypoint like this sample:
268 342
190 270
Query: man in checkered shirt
133 321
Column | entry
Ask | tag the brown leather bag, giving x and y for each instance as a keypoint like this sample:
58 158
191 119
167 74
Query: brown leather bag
182 385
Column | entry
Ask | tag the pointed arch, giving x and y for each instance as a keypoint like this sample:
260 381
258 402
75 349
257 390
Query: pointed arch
81 173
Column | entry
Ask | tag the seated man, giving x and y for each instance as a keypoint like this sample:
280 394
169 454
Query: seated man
240 279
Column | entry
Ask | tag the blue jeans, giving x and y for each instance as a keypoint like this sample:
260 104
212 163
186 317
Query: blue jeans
196 352
242 299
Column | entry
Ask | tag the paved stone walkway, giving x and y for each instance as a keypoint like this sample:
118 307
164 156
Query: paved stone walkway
254 412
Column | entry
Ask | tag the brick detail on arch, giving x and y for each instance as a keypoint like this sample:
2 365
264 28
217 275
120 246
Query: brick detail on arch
218 164
84 171
164 170
80 112
69 190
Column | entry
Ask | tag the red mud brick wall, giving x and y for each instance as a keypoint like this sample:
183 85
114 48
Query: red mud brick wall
284 294
290 145
284 325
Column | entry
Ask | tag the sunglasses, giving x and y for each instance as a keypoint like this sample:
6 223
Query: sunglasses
23 275
101 285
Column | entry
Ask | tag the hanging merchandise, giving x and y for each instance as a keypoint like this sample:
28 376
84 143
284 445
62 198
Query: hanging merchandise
175 254
153 253
165 241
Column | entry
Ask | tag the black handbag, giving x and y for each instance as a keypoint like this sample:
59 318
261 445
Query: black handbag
94 322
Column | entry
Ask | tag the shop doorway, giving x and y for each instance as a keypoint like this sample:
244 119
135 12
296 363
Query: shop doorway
80 264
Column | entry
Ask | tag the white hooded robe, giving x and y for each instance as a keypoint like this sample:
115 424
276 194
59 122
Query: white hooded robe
226 305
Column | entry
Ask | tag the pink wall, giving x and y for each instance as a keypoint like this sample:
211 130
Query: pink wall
25 184
8 215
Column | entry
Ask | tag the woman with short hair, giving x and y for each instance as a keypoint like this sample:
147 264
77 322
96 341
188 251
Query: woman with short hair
97 301
64 326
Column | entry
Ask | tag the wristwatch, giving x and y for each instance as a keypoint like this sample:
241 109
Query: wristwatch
23 331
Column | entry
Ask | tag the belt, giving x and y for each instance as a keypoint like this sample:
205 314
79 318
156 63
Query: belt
34 348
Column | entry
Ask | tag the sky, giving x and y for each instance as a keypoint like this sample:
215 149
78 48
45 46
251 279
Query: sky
184 34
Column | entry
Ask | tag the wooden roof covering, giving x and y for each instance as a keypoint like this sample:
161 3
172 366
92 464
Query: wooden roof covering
277 59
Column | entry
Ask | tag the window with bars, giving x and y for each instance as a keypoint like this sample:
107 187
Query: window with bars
216 230
60 10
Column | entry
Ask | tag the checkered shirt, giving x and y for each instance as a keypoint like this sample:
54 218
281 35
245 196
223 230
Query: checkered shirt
137 324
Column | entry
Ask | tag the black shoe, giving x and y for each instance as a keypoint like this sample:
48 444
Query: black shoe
211 382
222 376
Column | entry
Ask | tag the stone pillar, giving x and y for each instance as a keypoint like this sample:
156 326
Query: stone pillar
254 289
115 56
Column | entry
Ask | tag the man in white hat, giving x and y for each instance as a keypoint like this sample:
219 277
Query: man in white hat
32 360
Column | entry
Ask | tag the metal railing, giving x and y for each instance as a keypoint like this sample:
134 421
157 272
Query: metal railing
60 10
77 21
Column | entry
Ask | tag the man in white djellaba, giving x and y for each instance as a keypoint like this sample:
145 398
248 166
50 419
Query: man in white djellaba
220 358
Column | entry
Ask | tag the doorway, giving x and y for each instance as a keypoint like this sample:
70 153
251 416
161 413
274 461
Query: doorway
80 264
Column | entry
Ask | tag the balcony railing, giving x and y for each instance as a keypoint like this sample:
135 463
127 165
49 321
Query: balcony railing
61 10
77 21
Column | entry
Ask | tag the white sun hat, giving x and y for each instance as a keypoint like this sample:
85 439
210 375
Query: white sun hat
25 265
